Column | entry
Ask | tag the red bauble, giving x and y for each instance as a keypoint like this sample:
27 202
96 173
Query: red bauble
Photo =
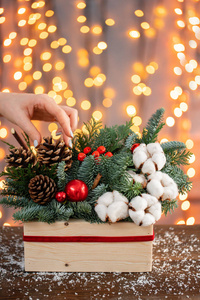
134 147
87 150
81 156
109 154
76 190
96 154
101 149
61 196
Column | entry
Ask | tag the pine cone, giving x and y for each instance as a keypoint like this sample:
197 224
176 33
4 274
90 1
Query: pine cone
20 158
51 152
42 189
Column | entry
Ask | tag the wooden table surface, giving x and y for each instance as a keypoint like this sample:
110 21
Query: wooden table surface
175 275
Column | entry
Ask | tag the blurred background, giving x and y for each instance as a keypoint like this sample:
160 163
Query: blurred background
112 59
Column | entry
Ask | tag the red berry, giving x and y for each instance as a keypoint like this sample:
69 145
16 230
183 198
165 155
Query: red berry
96 154
134 147
108 154
81 156
87 150
101 149
61 196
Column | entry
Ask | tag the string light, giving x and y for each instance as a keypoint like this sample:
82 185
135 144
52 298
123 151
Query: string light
190 221
134 34
131 110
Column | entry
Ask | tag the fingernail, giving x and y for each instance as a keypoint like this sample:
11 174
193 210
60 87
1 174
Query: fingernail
35 143
71 133
70 143
58 133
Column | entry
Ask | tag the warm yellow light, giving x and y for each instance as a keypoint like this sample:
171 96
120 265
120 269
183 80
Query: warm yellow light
186 124
84 29
145 25
81 5
27 51
137 121
2 20
185 205
27 67
173 94
190 221
24 41
56 79
194 21
17 75
6 224
150 33
194 63
94 71
110 22
88 82
179 47
43 35
191 172
135 79
193 85
97 29
193 44
177 112
54 44
177 71
5 91
135 128
27 59
197 79
64 85
154 64
97 115
7 42
139 13
59 65
189 68
178 90
192 158
150 69
160 11
21 23
97 51
180 23
147 91
109 93
164 140
52 126
32 43
1 10
107 102
3 133
67 94
51 28
178 11
98 81
170 121
45 55
47 67
62 41
181 222
58 99
37 75
52 94
28 79
7 58
22 86
39 90
130 110
102 77
81 19
12 35
66 49
137 90
42 26
49 13
183 106
138 67
183 197
102 45
85 104
134 34
71 101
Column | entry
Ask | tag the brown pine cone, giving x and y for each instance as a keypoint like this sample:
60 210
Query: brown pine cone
51 152
42 189
20 158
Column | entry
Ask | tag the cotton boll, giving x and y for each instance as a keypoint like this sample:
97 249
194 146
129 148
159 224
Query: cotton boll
168 193
157 176
166 180
159 159
106 199
154 148
155 188
119 197
151 200
142 147
156 210
138 203
136 216
101 211
148 220
138 178
117 211
139 158
148 167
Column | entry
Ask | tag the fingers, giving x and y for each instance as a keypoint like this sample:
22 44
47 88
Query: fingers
25 124
67 140
73 115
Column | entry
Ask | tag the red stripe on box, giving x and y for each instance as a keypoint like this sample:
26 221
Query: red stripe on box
88 239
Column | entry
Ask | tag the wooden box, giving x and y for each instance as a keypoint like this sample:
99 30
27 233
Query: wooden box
78 246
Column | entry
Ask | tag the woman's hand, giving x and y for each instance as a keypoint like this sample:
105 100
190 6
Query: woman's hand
20 109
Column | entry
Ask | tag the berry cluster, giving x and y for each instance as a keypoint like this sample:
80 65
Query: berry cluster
100 150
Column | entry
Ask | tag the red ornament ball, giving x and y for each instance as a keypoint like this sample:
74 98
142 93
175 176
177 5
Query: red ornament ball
87 150
81 156
109 154
134 147
101 149
76 190
96 154
61 196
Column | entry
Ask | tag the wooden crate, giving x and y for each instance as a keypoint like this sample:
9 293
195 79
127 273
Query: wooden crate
87 256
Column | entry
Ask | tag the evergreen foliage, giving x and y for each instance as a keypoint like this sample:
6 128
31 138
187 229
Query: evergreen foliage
168 206
61 175
131 139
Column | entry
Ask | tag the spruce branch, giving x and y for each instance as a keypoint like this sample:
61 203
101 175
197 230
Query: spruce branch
96 193
178 157
169 206
61 175
27 140
132 139
87 171
169 147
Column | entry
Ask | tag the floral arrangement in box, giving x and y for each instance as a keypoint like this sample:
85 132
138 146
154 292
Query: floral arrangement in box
111 174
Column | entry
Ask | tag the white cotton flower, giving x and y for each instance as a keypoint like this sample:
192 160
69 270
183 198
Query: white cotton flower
119 197
166 180
141 148
139 158
138 203
148 220
136 216
155 188
159 160
153 148
151 200
148 167
101 211
157 176
117 211
156 210
138 178
106 199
